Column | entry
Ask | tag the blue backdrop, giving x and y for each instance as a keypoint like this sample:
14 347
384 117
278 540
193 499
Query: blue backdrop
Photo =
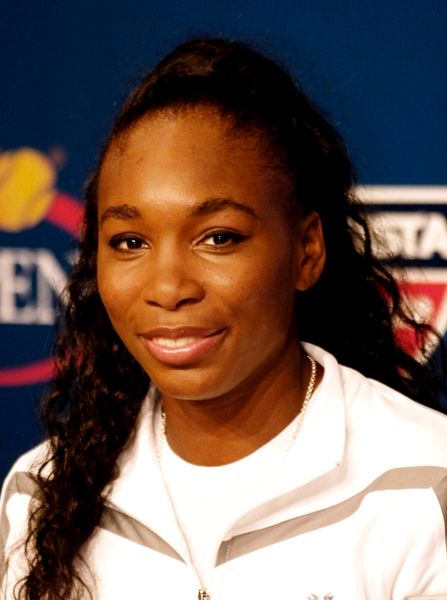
378 68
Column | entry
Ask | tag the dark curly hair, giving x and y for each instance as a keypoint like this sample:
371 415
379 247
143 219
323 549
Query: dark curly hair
98 389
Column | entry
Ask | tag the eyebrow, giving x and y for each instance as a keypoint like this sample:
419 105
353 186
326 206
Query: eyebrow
128 212
124 212
214 205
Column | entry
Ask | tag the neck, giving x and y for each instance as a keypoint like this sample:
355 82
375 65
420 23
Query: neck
225 429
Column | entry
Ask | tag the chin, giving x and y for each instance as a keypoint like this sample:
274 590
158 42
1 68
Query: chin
190 386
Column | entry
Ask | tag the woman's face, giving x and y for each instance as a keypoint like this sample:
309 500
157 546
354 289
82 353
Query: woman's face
197 264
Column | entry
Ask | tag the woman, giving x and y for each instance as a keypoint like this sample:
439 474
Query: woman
220 231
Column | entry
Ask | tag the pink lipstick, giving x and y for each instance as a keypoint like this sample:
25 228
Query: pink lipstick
181 346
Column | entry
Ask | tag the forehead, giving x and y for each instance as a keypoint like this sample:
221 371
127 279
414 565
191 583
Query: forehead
195 152
190 132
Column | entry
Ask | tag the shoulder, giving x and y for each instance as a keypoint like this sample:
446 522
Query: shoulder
20 480
27 465
400 424
18 489
382 422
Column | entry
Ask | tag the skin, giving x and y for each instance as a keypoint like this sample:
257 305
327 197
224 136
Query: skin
193 233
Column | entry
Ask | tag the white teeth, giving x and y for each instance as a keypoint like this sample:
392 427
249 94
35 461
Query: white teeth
173 343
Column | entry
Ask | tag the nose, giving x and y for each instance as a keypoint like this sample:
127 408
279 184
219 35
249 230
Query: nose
172 280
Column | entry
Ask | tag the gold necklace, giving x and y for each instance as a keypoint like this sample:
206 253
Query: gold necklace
299 418
307 396
203 593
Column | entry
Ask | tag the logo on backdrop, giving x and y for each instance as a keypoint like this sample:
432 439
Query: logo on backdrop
412 221
38 224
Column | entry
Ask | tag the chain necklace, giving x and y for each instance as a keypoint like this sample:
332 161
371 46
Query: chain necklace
299 418
307 396
203 593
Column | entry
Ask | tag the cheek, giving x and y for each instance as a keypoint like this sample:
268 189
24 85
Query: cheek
265 291
118 291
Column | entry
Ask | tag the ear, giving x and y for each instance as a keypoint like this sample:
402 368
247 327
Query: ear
311 251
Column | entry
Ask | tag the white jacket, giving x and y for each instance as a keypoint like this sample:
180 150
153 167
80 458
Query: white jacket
357 511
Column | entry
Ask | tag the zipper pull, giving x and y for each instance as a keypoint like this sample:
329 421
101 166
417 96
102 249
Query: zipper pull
203 595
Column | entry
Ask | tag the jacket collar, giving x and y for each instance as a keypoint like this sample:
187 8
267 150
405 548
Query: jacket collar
300 484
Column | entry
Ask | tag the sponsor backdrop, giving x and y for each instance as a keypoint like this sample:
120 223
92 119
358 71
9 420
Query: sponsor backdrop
378 68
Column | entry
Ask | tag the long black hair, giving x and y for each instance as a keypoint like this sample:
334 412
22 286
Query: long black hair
352 311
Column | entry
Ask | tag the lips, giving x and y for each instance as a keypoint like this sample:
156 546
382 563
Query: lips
181 346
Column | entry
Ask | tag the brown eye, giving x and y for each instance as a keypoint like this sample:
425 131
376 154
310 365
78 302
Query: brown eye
127 243
223 238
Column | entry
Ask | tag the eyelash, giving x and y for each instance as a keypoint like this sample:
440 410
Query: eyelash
231 239
225 239
119 239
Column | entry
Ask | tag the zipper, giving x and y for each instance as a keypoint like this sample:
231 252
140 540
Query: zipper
161 441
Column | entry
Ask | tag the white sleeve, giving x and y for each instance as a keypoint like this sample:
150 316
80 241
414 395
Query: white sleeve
422 573
17 491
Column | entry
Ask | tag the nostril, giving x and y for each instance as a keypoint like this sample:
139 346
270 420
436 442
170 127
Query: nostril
172 295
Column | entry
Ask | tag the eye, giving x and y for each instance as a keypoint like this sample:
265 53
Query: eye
128 243
222 239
